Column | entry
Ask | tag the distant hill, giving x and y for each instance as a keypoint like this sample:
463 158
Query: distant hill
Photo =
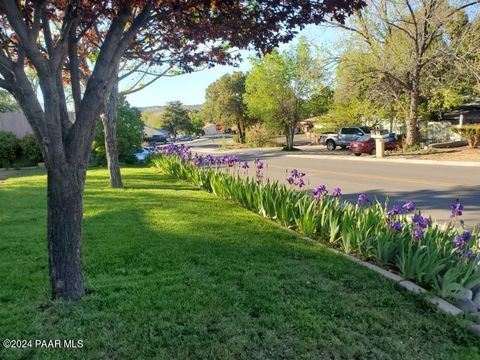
159 109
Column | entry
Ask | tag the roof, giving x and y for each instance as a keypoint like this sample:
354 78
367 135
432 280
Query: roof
470 112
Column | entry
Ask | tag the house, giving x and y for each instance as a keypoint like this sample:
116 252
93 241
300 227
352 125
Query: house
149 131
209 129
15 122
440 129
468 113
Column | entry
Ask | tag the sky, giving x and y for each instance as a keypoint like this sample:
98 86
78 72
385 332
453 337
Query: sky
190 88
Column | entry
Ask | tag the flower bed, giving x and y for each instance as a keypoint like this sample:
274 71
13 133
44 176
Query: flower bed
443 258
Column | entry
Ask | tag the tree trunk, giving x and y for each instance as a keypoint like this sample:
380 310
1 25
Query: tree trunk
109 120
412 123
65 213
241 132
289 135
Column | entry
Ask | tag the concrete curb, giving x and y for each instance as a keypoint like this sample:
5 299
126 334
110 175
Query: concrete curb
387 160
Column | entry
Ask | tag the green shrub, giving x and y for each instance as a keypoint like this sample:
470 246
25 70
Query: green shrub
31 148
129 135
471 133
9 148
258 136
236 139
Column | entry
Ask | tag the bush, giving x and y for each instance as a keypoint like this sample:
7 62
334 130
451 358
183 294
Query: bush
9 148
31 148
258 136
471 133
129 135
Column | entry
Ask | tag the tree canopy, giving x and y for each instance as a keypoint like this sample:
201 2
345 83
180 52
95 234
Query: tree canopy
175 118
281 84
397 51
224 103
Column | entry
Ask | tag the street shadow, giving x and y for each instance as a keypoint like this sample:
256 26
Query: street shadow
431 201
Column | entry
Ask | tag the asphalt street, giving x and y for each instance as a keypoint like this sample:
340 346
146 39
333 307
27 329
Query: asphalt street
433 187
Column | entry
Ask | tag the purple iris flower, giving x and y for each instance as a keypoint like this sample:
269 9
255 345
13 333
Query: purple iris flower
416 218
258 164
337 192
423 222
456 209
319 191
210 159
458 241
418 234
409 206
301 183
362 199
230 161
294 173
470 254
199 160
396 225
466 236
245 165
395 210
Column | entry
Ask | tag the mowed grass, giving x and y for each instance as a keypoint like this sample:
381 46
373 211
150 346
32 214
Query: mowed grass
174 273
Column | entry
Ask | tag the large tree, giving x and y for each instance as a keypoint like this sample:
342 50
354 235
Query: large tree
281 85
224 103
136 72
175 118
401 40
53 38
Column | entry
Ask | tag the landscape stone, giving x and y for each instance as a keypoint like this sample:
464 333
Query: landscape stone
444 306
466 305
412 286
476 300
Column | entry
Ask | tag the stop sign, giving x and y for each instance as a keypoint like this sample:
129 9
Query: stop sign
218 127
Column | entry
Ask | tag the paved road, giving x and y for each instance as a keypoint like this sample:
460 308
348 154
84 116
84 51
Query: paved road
432 187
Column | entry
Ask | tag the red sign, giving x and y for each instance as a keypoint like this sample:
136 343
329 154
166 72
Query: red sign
218 127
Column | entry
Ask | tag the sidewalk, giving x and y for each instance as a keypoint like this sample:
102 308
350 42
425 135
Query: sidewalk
5 173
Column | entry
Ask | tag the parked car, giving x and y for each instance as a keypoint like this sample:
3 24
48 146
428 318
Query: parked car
159 138
344 137
184 138
143 154
366 144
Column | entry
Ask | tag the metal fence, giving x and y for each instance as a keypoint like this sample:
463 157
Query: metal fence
16 123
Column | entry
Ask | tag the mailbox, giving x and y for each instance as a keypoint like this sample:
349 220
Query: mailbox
380 141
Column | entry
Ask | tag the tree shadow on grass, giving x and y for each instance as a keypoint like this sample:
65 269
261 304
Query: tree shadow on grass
242 286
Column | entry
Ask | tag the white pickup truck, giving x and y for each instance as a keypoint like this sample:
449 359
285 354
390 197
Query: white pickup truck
344 137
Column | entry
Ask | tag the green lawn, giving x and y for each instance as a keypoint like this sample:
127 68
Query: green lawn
174 272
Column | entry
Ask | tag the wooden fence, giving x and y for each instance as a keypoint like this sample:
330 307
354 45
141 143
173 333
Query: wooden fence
16 123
